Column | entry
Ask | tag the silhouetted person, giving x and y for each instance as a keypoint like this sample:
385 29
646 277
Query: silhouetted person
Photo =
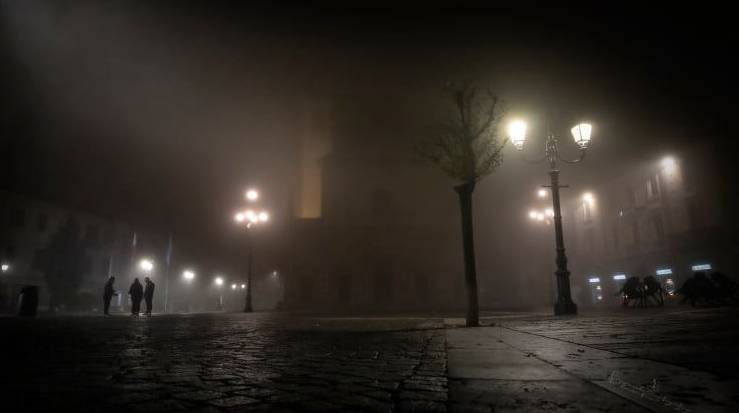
148 294
137 293
108 293
29 301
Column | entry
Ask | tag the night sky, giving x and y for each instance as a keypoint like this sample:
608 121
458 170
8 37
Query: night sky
161 114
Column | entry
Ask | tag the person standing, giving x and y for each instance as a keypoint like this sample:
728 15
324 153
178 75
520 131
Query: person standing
137 293
108 293
148 294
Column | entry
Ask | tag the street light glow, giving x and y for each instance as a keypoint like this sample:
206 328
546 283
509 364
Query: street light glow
668 164
581 134
540 216
588 198
218 281
233 286
549 212
263 216
252 195
542 193
239 217
250 215
517 133
188 275
5 267
243 286
146 265
532 214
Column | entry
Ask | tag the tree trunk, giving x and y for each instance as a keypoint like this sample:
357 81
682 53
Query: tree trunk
468 242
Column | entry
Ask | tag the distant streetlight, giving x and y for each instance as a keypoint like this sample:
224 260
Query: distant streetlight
588 198
146 266
251 218
243 286
219 283
233 286
668 165
517 133
542 193
581 133
188 275
252 195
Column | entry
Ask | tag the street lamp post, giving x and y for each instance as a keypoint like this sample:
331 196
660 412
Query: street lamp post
251 218
218 281
581 135
188 276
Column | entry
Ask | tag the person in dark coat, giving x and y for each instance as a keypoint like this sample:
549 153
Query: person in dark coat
137 293
148 294
108 293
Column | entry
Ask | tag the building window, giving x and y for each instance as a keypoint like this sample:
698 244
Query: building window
658 227
652 187
630 197
42 222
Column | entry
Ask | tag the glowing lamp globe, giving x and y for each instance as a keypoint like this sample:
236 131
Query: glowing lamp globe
517 133
581 134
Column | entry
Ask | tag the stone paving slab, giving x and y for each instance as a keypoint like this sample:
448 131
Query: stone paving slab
488 372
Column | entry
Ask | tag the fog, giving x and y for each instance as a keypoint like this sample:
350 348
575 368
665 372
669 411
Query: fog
162 115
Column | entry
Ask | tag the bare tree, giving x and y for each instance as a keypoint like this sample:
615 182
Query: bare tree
466 147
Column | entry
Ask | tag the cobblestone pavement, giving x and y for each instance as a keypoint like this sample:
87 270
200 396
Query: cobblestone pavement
217 362
276 362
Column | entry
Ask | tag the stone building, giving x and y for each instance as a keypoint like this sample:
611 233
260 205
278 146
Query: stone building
364 239
667 217
26 228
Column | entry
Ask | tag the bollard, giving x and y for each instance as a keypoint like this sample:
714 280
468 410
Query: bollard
29 301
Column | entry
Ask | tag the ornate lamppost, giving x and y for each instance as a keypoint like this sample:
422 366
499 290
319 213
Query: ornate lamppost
251 218
581 134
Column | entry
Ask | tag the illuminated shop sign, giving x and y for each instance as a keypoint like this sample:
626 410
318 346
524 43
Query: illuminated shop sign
619 277
664 271
701 267
594 280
